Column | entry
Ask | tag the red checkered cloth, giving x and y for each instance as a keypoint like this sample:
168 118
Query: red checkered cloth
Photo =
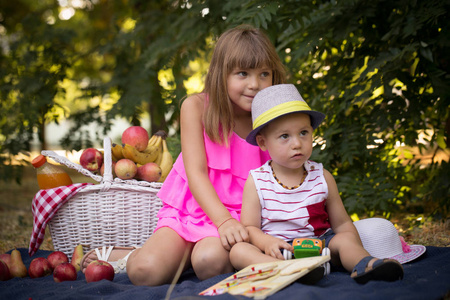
45 204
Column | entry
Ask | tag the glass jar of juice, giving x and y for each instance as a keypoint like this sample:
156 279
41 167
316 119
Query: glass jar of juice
49 175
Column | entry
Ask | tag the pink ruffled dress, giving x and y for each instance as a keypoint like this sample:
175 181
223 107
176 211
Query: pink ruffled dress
228 169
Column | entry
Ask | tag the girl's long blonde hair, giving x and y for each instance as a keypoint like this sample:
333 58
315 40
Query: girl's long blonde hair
241 47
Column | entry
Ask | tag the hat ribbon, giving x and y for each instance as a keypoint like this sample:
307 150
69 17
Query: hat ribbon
405 247
279 110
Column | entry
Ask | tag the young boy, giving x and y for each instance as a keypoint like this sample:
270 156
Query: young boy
292 197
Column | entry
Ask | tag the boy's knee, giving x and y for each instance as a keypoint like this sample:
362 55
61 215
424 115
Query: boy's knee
342 239
237 251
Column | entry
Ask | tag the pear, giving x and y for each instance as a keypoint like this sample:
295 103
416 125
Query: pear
77 256
17 267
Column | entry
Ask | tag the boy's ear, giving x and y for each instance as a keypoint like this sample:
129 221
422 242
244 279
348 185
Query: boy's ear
261 142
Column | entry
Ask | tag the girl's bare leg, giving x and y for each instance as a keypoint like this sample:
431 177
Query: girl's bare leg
209 258
158 260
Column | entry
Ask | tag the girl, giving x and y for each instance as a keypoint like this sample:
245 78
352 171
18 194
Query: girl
202 195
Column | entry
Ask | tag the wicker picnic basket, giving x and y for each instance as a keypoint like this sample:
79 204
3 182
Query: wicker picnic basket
113 212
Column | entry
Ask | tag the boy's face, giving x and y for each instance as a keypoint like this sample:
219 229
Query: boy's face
288 140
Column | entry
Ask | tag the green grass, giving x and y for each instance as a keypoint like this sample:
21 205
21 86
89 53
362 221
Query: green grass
16 218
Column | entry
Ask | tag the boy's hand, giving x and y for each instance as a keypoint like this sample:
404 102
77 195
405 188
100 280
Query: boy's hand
274 248
232 232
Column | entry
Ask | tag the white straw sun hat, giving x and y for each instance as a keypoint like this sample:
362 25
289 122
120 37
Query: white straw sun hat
380 238
276 101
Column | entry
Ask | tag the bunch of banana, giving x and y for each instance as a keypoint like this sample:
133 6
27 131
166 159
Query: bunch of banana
166 163
150 154
116 151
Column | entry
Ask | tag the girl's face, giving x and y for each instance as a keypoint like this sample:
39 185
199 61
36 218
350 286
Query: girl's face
243 84
288 140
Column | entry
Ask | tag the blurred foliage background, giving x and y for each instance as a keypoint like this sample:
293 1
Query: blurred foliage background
378 69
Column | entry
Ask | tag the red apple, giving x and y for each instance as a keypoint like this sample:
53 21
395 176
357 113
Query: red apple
150 172
99 270
6 257
5 274
135 136
91 159
57 257
65 272
39 267
125 168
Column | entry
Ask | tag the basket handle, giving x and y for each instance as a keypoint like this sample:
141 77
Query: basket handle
64 161
107 160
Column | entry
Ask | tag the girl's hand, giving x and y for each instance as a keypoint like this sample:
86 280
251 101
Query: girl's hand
231 232
273 248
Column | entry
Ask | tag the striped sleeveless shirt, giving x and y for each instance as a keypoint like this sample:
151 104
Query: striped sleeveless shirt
290 214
